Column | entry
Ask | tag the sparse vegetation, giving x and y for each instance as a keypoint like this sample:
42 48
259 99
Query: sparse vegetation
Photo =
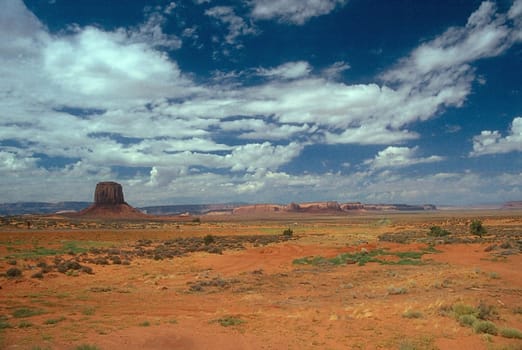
494 275
397 290
467 320
288 232
27 312
437 231
477 318
230 321
209 239
88 311
25 324
13 272
511 333
487 312
3 323
362 257
476 228
487 327
412 314
463 309
263 283
54 320
87 347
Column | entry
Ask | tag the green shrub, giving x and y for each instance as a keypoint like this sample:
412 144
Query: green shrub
145 324
511 333
54 320
209 239
437 231
487 312
230 321
25 324
397 290
412 314
88 311
476 228
4 324
13 272
87 347
463 309
288 232
467 320
487 327
26 312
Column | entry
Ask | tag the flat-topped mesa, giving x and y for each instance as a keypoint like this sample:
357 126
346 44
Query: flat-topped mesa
108 193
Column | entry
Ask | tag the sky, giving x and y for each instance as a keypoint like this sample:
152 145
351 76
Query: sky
262 101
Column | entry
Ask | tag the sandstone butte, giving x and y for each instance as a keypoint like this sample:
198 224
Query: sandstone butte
110 203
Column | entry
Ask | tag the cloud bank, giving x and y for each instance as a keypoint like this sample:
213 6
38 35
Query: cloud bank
79 105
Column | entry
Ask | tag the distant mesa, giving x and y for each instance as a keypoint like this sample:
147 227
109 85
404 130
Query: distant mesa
110 203
512 205
330 207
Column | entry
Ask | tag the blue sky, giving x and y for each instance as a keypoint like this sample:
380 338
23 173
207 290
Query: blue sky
208 101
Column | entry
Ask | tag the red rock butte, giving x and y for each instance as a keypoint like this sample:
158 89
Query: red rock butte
110 203
108 193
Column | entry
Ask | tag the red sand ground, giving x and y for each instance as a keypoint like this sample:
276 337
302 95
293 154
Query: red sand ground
149 305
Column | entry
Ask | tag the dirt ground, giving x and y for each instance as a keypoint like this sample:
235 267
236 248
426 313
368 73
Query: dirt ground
346 282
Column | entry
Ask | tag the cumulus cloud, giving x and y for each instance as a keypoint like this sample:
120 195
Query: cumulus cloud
107 66
492 142
293 11
392 157
114 98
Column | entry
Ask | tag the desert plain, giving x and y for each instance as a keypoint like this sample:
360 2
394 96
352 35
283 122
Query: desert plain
364 281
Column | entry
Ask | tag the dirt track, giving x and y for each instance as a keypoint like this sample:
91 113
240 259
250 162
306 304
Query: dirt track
257 297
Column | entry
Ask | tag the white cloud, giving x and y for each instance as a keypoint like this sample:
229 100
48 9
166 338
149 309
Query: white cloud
392 157
106 67
289 70
336 69
515 14
237 27
252 157
486 34
170 8
12 162
141 110
292 11
492 142
151 31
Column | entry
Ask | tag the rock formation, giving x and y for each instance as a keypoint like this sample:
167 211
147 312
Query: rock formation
108 193
110 203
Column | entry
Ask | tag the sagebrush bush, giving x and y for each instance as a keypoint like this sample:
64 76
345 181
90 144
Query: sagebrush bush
209 239
437 231
467 320
476 228
487 327
14 272
511 333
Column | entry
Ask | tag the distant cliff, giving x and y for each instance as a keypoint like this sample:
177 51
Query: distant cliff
512 205
327 207
228 208
40 207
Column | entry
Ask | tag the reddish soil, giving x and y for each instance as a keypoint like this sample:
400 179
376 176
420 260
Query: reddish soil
184 302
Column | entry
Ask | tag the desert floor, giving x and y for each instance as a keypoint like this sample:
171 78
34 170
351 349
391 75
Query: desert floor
373 281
